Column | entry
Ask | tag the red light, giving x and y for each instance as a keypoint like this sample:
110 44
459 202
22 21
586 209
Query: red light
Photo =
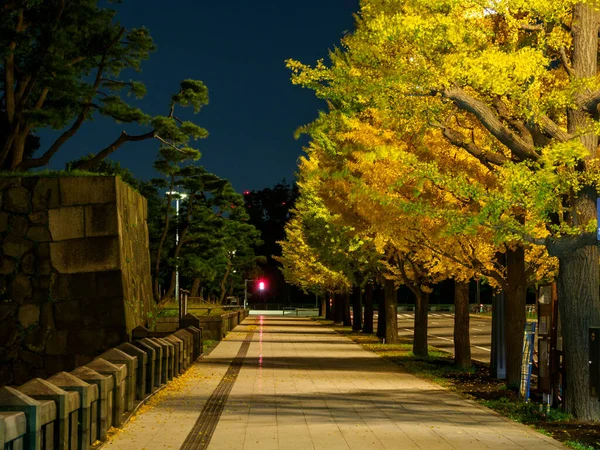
261 285
246 192
283 203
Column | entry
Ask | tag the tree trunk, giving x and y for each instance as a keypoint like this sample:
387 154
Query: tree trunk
515 292
391 312
578 296
579 306
328 308
462 340
380 312
420 334
368 325
356 309
195 287
323 306
346 310
338 308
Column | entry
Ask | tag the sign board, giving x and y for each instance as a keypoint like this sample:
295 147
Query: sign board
527 360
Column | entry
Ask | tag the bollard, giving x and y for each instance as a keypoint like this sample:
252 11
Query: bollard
160 364
142 360
13 427
118 372
67 408
188 339
197 332
101 417
169 355
88 396
179 353
116 356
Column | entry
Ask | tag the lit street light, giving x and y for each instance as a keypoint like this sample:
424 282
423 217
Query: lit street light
261 286
179 195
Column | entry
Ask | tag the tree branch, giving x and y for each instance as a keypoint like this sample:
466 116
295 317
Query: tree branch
566 63
518 147
124 137
458 139
504 113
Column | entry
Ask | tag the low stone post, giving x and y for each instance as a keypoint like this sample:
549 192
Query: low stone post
169 355
142 360
188 339
67 410
88 395
178 345
39 415
13 427
101 416
160 364
117 356
118 372
197 333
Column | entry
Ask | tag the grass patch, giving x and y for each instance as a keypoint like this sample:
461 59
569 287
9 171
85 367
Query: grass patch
198 309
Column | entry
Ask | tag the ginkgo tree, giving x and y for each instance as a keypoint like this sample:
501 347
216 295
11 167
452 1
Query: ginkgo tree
526 74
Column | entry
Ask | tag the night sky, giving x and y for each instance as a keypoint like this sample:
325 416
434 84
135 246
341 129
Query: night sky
237 48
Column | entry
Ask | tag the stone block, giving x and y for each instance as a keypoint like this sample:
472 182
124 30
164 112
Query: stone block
116 356
88 394
118 372
39 234
105 386
83 285
87 190
7 266
44 267
61 287
16 246
85 255
21 288
144 368
16 199
18 225
9 182
13 426
3 222
37 413
29 315
39 217
33 359
109 283
42 250
66 223
45 194
67 314
8 332
7 310
101 220
28 264
57 342
155 352
67 406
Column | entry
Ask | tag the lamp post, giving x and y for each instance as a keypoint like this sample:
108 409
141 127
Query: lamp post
178 196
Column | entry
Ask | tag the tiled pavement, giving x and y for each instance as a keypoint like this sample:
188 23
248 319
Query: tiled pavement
302 386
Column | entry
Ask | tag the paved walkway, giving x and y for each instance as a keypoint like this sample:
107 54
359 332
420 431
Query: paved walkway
302 386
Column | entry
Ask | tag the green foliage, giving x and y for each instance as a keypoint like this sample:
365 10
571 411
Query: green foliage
61 64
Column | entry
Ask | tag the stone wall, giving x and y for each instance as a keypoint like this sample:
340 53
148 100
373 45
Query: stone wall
74 271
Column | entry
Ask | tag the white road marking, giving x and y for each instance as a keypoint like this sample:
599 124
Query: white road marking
451 340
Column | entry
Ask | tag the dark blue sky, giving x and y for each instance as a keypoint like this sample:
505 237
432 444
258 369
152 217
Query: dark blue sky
238 49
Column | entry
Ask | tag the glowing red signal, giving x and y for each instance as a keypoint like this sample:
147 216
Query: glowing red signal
261 285
246 192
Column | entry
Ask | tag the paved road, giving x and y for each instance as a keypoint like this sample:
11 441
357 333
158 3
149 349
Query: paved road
441 332
290 383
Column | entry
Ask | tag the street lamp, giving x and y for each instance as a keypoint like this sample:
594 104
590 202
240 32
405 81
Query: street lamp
179 195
